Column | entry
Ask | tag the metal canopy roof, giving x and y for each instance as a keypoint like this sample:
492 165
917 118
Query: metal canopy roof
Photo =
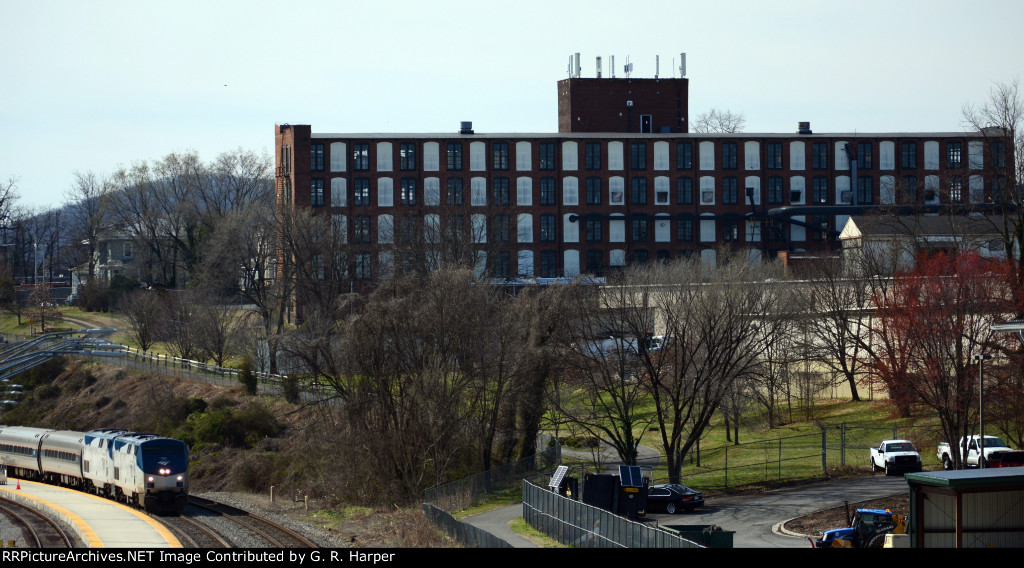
970 478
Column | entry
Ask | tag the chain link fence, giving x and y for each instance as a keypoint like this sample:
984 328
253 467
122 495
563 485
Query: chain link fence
576 524
439 502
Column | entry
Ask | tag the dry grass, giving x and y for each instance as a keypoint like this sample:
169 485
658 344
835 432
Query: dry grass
397 528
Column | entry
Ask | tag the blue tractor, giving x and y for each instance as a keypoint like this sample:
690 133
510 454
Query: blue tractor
867 530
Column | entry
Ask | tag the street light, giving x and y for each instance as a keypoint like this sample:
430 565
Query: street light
981 406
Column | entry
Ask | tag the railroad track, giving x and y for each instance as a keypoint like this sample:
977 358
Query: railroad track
267 531
40 531
192 533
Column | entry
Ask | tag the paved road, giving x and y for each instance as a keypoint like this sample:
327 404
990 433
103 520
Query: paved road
752 517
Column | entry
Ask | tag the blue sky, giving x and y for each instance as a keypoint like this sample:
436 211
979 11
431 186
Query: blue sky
93 86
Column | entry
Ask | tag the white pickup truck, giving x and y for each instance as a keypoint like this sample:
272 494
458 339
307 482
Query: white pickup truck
895 456
993 446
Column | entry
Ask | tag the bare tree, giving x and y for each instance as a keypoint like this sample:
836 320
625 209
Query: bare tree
713 319
598 390
837 309
216 326
87 205
718 121
179 325
143 311
1000 121
42 307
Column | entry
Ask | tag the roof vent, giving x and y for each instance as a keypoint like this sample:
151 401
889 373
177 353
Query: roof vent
466 127
803 128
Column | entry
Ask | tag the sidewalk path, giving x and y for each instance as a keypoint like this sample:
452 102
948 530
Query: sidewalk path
497 521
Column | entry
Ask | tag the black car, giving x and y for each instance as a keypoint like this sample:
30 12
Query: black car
673 498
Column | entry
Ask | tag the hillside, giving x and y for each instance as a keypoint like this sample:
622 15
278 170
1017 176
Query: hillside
240 443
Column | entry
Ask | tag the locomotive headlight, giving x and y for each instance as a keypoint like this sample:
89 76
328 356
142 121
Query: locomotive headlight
151 479
179 478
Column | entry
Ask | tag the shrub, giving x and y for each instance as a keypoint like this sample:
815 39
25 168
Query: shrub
290 386
248 377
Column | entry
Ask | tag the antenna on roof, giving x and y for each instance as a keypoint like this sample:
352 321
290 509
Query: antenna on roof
598 66
682 64
657 65
611 65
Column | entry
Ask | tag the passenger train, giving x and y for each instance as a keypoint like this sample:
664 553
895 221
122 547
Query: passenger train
140 469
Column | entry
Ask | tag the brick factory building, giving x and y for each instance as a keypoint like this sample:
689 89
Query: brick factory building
622 182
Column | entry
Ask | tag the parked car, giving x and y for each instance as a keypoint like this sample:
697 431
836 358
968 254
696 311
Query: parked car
673 498
895 456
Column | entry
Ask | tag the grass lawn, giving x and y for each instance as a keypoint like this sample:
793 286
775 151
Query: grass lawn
792 451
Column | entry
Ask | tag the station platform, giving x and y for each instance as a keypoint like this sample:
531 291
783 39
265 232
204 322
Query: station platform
99 522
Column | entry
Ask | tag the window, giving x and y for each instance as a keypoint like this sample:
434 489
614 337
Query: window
503 265
999 189
408 191
500 150
661 191
908 155
639 230
501 228
774 190
361 229
501 191
729 156
638 155
684 156
547 228
593 155
819 156
820 190
730 191
820 224
317 158
360 191
454 191
547 191
730 230
593 191
954 155
363 269
456 225
595 258
684 230
684 191
286 159
547 155
956 190
410 229
548 264
407 156
998 154
910 189
593 229
455 156
773 155
640 256
316 198
864 191
864 155
361 157
639 193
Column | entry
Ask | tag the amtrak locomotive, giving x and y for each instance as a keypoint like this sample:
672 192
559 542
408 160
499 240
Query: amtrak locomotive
140 469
